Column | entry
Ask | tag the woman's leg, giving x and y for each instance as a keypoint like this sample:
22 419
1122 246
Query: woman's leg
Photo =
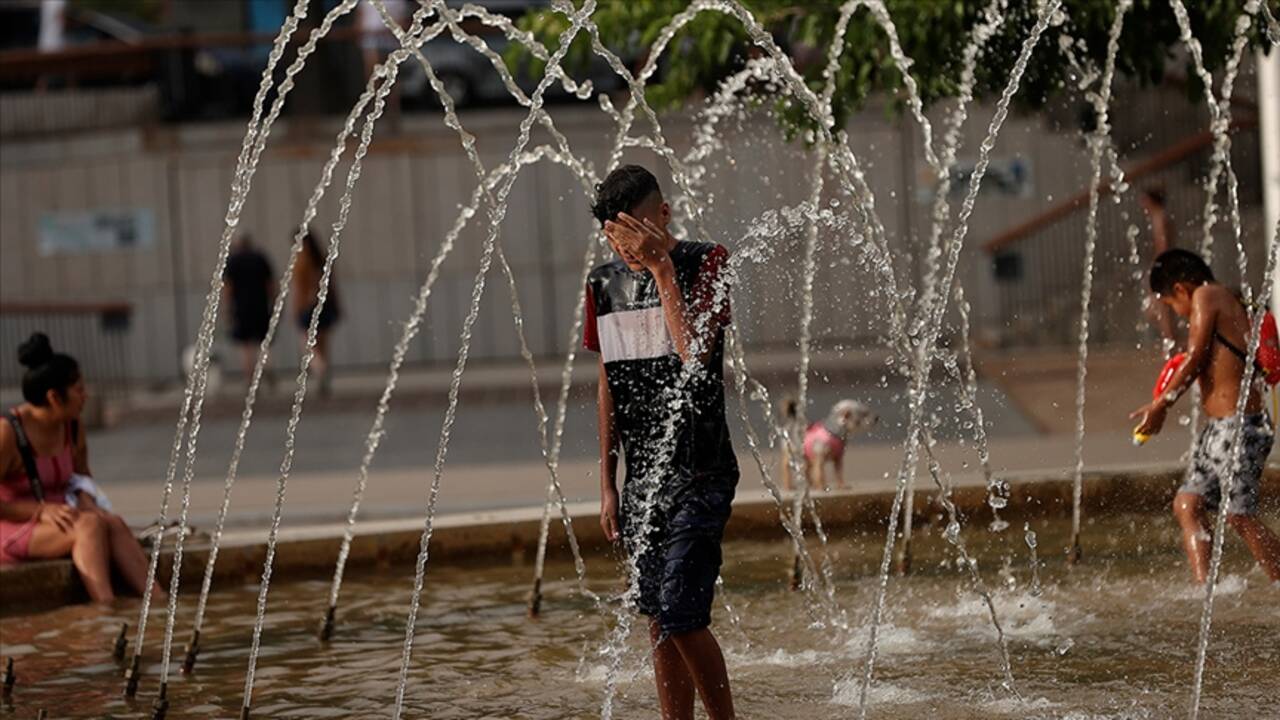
129 556
321 361
90 551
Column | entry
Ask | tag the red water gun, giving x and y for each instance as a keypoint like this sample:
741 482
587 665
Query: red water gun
1162 384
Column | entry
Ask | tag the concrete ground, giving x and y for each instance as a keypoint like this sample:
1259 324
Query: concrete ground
494 459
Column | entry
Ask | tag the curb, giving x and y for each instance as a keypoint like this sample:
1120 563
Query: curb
511 536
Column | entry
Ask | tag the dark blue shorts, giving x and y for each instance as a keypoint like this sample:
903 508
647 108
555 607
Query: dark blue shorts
679 568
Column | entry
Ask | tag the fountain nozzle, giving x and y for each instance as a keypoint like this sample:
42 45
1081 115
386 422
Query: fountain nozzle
9 678
535 598
122 641
904 561
193 649
160 707
132 676
326 632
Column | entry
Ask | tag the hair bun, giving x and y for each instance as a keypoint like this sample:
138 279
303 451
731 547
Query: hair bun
36 351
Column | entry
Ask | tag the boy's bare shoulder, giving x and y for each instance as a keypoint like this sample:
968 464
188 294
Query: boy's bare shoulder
1213 296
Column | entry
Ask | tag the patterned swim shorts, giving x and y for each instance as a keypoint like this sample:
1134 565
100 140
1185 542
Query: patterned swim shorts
1214 458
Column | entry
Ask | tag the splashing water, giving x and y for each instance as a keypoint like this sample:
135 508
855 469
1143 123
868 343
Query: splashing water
1228 481
1029 536
1101 100
912 336
919 389
193 396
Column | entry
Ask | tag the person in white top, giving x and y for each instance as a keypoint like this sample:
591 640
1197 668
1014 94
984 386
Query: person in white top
53 24
52 38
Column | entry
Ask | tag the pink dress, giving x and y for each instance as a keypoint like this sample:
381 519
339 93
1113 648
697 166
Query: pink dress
55 475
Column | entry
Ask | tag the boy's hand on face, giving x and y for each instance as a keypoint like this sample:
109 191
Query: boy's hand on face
1153 415
639 240
609 516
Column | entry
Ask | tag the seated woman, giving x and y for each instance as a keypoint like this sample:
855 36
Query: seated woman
36 522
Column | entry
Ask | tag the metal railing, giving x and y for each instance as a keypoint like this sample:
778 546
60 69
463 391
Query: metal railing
1039 262
95 334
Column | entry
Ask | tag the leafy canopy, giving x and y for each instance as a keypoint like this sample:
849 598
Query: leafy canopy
933 33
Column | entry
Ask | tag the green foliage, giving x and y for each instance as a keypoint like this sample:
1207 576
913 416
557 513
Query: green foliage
933 33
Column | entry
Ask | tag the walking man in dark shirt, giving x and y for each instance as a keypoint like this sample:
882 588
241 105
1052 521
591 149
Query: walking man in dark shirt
661 307
249 288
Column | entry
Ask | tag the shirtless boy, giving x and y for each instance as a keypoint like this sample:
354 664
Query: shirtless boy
1219 326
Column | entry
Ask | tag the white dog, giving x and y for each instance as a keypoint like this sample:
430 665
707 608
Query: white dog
824 442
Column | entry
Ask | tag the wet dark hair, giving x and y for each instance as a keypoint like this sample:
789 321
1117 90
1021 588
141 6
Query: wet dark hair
1174 266
624 189
46 370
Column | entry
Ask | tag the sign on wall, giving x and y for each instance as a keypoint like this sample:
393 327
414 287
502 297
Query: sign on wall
1007 176
102 230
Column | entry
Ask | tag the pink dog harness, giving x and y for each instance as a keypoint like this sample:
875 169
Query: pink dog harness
820 433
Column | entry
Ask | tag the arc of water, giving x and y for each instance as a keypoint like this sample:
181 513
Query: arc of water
383 78
953 536
737 362
1227 483
850 163
277 311
1272 26
1238 45
992 19
193 396
997 490
1219 118
824 593
484 187
496 215
1101 101
550 451
551 454
847 162
793 437
919 391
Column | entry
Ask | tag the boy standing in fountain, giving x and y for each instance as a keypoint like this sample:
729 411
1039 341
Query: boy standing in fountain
654 313
1219 327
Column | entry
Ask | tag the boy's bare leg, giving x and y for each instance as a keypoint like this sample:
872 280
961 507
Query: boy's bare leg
705 664
1188 508
1263 543
675 685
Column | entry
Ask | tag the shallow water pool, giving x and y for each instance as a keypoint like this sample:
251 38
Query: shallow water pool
1112 638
